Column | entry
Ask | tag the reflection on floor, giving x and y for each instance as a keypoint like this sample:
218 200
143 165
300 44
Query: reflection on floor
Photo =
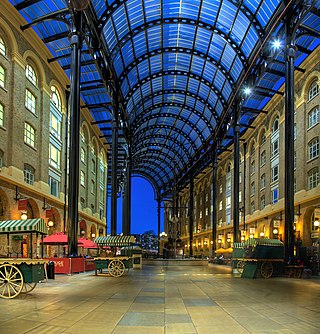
155 300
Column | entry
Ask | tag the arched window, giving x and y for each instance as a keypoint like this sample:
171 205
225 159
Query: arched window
313 148
28 172
313 117
31 75
313 90
275 125
55 98
263 158
263 138
3 48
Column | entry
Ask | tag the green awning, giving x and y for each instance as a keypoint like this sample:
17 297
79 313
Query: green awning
264 242
115 240
22 226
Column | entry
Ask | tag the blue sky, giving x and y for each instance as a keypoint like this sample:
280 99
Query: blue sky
143 208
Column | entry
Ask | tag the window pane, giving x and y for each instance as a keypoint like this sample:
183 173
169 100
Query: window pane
1 115
3 49
31 74
29 134
2 76
55 126
30 101
28 174
314 148
54 156
313 117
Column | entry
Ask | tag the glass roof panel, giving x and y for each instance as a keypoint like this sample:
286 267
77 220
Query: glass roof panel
186 57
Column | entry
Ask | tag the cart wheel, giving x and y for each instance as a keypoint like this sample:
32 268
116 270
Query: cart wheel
28 287
116 268
11 281
240 266
266 269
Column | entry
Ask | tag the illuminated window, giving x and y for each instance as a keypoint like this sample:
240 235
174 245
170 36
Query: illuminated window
313 90
2 76
29 134
3 49
55 126
55 98
54 156
30 102
31 74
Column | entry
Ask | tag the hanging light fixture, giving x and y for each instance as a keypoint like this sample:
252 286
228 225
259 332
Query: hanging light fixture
24 215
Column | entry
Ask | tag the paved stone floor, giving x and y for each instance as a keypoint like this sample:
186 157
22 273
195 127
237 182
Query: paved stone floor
165 300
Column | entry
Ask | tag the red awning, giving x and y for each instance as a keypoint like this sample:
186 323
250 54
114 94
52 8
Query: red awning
85 243
58 238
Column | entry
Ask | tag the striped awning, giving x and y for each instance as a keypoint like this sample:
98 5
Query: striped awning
28 225
115 240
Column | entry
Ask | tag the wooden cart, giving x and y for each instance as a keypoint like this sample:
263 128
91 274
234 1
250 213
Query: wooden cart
258 256
115 265
21 274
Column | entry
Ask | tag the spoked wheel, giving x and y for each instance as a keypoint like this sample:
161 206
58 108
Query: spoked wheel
240 266
266 269
11 281
28 287
116 268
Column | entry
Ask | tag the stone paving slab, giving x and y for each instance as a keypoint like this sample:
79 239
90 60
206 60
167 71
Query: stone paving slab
169 300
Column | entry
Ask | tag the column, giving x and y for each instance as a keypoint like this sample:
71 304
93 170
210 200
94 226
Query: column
290 54
114 181
214 197
236 170
75 39
159 223
191 216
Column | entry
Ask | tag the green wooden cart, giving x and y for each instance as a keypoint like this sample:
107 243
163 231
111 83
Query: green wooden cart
114 265
21 274
258 256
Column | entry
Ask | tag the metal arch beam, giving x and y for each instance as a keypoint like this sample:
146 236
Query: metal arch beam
139 135
177 73
239 4
175 141
146 164
193 52
187 21
173 92
149 179
136 125
154 156
172 104
169 148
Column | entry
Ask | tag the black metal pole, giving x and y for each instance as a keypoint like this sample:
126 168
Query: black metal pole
214 198
126 208
191 217
236 170
244 184
66 162
289 143
159 223
114 185
75 39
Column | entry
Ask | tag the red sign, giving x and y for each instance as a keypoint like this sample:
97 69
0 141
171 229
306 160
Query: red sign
49 213
22 204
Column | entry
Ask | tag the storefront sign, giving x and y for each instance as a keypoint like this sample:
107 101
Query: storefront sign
22 204
49 213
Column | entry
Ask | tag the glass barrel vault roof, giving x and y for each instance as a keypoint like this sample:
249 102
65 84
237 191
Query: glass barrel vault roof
179 65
